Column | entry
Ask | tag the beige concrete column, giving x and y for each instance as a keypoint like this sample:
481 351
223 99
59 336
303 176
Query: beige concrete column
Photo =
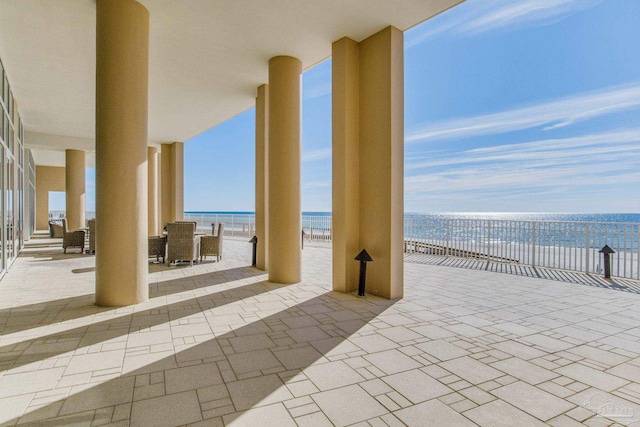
122 70
48 178
284 170
346 170
75 188
380 161
262 176
152 198
172 179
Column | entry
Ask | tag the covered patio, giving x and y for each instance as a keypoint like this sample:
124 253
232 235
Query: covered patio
217 344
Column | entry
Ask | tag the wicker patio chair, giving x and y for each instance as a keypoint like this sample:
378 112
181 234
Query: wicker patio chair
92 235
158 247
56 230
212 245
182 243
72 239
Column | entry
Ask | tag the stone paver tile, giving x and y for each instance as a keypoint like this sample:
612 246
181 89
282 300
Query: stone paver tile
399 334
192 377
317 419
625 370
348 405
598 355
392 361
332 375
92 396
547 343
298 358
251 343
432 413
311 333
592 377
477 395
334 346
138 339
374 343
20 383
190 330
607 406
442 349
621 342
94 362
302 388
532 400
579 333
434 332
251 361
524 370
416 385
471 370
13 407
375 387
259 391
266 416
501 414
565 421
520 350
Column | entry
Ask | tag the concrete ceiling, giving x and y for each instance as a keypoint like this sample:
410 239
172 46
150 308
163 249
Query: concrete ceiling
207 57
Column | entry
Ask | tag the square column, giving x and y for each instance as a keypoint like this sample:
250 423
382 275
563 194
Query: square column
172 183
368 165
75 193
262 176
285 246
122 71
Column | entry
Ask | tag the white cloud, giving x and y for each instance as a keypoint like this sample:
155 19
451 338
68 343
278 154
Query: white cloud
316 185
321 154
479 16
553 114
549 151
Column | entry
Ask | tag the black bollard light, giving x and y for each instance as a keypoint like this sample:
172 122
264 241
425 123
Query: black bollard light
364 258
254 240
606 250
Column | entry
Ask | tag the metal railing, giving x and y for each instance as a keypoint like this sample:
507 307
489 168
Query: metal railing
242 225
563 245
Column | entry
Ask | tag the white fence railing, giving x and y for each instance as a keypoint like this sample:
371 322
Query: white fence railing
563 245
242 225
555 244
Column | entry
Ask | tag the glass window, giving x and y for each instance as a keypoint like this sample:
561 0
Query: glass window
10 106
10 139
1 81
2 224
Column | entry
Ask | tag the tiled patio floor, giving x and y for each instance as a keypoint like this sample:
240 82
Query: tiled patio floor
216 344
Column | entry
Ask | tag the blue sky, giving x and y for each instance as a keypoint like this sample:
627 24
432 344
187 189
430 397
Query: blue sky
510 106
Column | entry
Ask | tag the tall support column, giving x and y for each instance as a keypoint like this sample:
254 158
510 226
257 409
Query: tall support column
48 178
152 205
75 193
172 178
122 70
285 252
346 169
262 176
378 157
